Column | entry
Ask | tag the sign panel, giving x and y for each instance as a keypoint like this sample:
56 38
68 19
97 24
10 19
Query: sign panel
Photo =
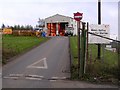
78 16
102 30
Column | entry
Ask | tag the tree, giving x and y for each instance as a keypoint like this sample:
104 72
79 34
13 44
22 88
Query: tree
41 22
15 27
22 27
12 27
18 27
31 28
3 26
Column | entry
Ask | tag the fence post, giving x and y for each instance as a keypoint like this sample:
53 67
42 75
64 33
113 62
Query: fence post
83 44
78 22
103 52
84 49
118 50
87 43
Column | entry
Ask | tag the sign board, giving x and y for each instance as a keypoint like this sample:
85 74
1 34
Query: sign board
78 16
102 30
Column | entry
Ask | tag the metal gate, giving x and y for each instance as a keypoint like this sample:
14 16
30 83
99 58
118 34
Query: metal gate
105 69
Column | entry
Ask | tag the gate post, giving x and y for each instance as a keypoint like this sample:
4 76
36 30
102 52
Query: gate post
83 46
118 50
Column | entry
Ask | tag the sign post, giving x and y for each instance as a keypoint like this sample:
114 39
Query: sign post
78 16
83 50
99 22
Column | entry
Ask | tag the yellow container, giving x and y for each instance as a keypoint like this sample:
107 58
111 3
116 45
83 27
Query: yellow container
7 31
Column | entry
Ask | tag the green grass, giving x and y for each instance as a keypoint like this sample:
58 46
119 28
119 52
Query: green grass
14 45
108 57
106 68
74 50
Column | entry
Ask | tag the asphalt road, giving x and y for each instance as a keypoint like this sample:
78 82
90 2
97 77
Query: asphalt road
40 66
46 66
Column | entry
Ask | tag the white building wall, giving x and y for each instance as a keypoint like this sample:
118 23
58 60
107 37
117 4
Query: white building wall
74 24
45 28
75 27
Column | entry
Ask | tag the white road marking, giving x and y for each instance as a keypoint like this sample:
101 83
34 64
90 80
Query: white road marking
54 77
10 77
39 67
52 80
30 78
35 76
0 75
16 75
58 77
62 77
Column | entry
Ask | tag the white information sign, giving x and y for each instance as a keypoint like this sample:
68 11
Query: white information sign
103 30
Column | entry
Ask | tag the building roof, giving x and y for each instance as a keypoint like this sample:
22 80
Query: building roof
58 15
58 18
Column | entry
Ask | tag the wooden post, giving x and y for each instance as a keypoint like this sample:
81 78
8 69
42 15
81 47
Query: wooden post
87 54
78 22
83 42
118 50
86 61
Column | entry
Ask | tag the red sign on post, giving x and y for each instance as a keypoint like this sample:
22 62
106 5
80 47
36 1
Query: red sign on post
78 16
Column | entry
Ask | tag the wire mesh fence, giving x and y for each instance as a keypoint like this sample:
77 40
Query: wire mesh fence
105 69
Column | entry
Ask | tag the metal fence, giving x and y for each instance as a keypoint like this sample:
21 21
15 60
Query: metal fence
103 69
107 67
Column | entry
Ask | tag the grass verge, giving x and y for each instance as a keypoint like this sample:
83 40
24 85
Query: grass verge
14 45
104 70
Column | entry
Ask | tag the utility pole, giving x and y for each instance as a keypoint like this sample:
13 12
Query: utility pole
99 22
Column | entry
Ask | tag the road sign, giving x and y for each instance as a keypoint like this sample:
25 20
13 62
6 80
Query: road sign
78 16
102 30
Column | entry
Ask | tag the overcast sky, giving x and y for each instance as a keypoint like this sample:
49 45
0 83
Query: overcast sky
25 12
